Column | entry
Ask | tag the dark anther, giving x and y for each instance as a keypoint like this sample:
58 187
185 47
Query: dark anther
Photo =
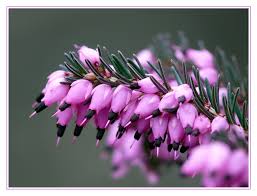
100 133
87 101
181 99
64 106
134 118
108 148
134 86
115 167
137 135
188 130
151 145
77 130
41 106
171 110
158 142
40 97
156 113
90 114
170 146
120 131
175 146
112 116
227 177
61 130
183 149
196 132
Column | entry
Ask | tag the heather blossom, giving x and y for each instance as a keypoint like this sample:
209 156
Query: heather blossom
142 113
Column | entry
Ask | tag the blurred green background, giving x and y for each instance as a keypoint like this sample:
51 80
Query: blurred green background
37 40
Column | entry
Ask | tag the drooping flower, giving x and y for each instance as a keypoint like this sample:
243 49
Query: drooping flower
201 58
187 114
219 124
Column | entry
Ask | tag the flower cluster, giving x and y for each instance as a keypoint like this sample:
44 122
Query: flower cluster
147 116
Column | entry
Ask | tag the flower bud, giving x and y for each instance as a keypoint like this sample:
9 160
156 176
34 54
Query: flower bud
186 114
219 124
90 54
201 58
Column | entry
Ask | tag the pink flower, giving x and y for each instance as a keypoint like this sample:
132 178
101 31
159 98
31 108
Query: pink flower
120 99
187 114
55 92
144 56
210 74
145 85
90 54
147 104
201 125
183 93
176 131
219 124
168 103
80 91
179 54
201 58
196 162
101 97
81 110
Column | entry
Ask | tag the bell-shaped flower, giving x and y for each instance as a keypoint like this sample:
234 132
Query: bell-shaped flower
187 114
202 125
210 74
236 167
183 93
146 106
120 99
80 114
144 56
79 92
201 58
101 97
196 162
63 119
218 156
145 85
159 126
219 124
176 131
101 119
168 103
